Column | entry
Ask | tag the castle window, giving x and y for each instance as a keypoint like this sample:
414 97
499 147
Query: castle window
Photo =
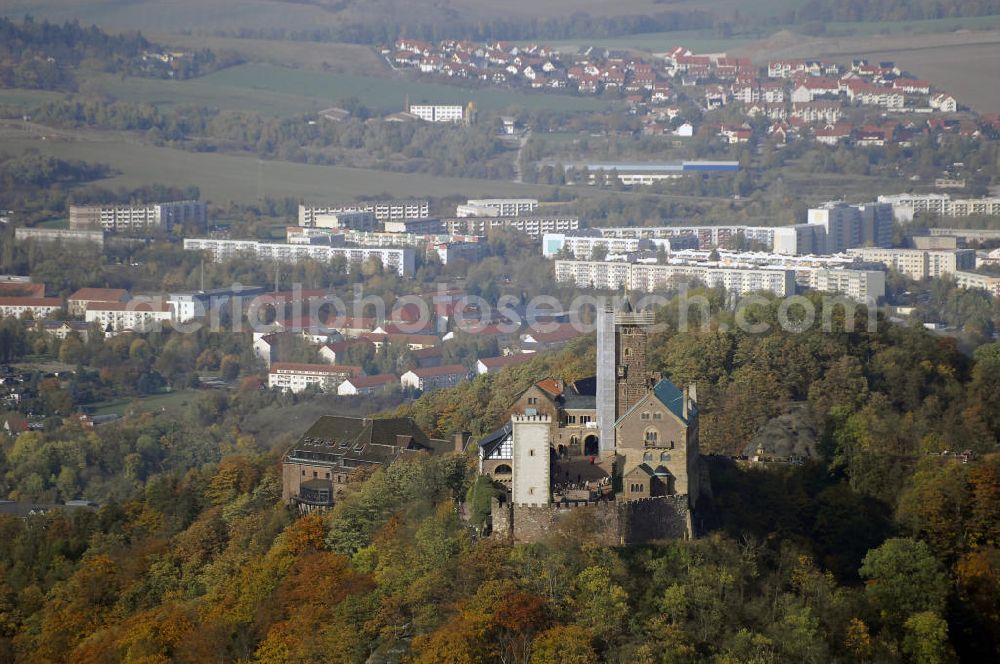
585 419
644 416
671 444
657 416
571 419
664 456
531 452
328 476
627 352
651 436
648 456
532 401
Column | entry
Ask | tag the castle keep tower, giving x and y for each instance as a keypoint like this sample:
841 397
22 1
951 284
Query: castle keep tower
631 378
622 379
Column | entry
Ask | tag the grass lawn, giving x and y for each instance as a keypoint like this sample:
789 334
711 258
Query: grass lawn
170 401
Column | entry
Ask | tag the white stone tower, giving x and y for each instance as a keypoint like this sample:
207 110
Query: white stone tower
531 471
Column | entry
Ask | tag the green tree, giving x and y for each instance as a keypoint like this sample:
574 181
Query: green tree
565 644
926 640
904 578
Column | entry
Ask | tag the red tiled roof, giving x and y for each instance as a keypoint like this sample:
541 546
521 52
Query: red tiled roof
446 370
424 353
21 289
550 385
99 294
30 302
373 381
506 360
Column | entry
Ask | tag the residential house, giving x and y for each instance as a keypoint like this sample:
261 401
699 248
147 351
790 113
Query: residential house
492 365
432 378
368 385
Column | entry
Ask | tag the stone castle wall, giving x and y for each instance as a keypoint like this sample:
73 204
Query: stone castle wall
666 517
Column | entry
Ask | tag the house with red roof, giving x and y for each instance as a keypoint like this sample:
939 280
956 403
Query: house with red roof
367 385
492 365
432 378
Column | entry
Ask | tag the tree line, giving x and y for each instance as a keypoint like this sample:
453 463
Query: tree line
45 56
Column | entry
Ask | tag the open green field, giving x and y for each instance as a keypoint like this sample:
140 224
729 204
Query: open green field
27 98
225 177
171 401
914 27
278 90
699 41
229 15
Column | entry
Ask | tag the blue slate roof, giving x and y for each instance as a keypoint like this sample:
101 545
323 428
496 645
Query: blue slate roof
670 396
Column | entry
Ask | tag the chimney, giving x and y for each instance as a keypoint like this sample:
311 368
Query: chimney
461 440
693 391
685 403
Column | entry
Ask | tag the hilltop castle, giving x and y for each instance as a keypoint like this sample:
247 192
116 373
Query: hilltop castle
622 447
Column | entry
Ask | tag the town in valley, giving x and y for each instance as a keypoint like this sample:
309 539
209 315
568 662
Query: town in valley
655 332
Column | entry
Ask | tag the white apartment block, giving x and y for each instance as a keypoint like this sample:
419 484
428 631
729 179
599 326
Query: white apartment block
708 236
986 282
138 314
649 277
438 112
383 210
295 377
399 260
497 207
535 227
38 307
137 217
919 263
362 220
860 285
906 206
583 246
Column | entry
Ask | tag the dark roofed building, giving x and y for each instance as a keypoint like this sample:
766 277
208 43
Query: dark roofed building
496 454
323 460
